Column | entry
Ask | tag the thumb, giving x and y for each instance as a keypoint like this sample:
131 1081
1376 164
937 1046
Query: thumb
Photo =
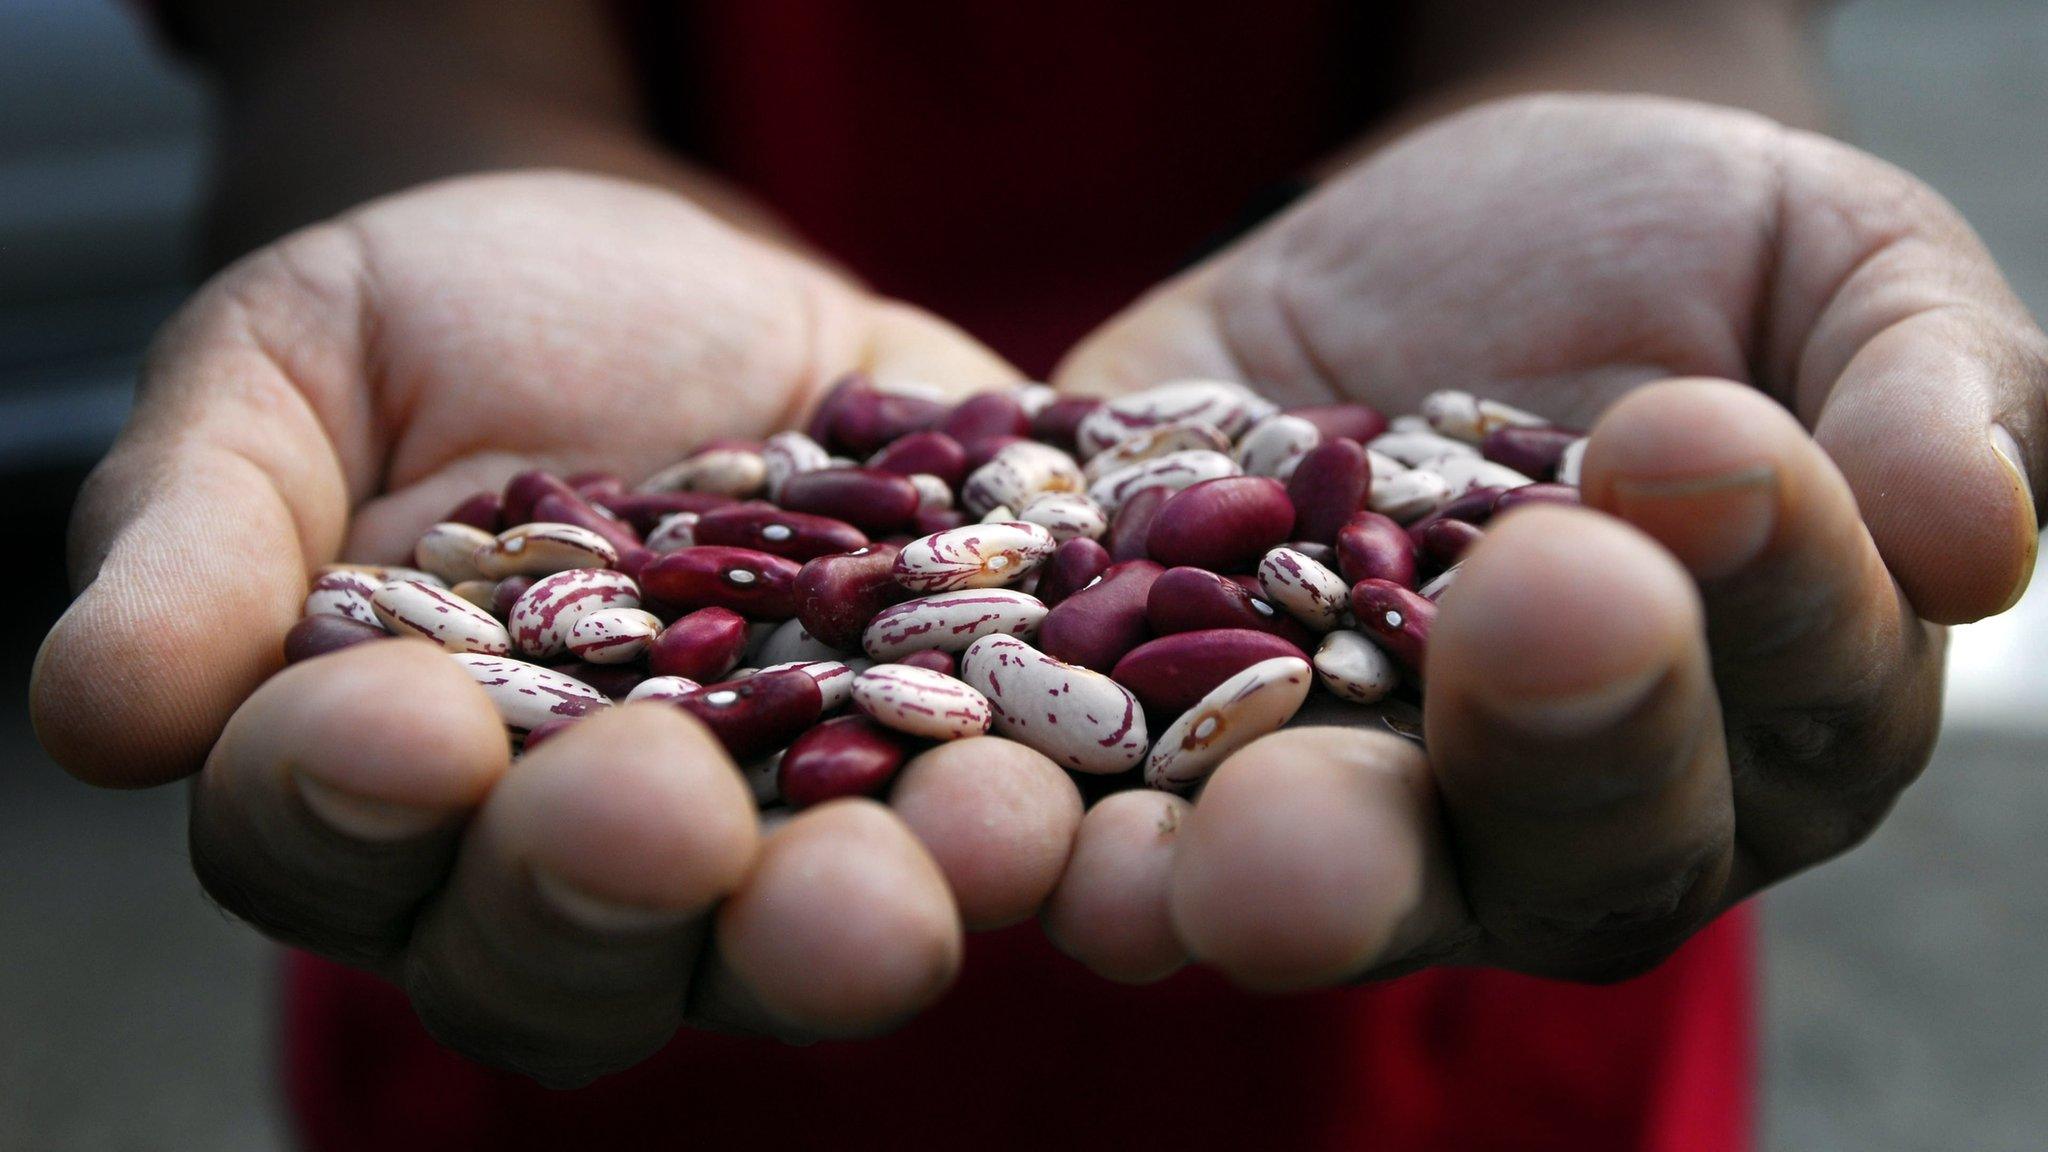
1174 331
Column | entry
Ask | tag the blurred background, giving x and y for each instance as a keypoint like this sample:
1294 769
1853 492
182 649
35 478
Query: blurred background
1903 1003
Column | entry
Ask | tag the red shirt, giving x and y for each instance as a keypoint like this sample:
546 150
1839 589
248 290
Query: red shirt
1025 170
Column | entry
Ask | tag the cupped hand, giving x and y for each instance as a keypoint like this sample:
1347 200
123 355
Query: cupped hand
332 395
1824 414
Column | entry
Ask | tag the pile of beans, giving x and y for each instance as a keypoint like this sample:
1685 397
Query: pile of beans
1139 586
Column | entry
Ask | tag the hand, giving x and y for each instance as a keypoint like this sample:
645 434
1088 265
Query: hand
335 393
1632 722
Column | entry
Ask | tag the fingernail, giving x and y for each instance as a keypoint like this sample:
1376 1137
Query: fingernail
363 817
1715 525
2008 449
1579 714
597 913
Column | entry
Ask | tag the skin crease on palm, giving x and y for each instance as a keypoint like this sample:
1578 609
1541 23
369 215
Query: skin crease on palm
1632 724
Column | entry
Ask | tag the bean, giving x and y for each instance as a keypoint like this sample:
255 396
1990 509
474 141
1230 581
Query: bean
1275 445
1195 600
786 454
836 596
791 642
662 688
1328 487
933 494
1072 566
1172 472
921 702
542 548
737 472
523 489
541 733
319 635
1474 507
1464 474
931 453
1228 406
1446 541
1356 669
932 660
1531 451
1467 417
850 756
976 556
413 608
382 573
1251 704
701 646
981 451
1017 473
1323 554
791 535
646 510
1346 421
1304 589
1133 523
1410 495
1571 462
753 583
528 695
542 619
344 595
482 593
1416 449
572 509
505 593
986 414
1222 525
482 510
950 621
858 418
1439 584
1152 443
1057 422
449 549
1034 398
1078 718
1067 515
930 520
758 715
677 531
1171 674
1515 498
1398 619
614 635
872 501
613 681
1095 626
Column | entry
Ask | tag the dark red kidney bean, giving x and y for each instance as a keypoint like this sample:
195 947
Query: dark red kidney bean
634 559
1133 523
588 484
931 452
646 510
1171 674
1398 618
1223 525
527 487
614 680
986 414
873 501
1529 494
1321 553
1330 483
1474 507
1249 581
755 584
1095 626
1198 600
858 419
755 716
795 535
850 756
507 593
1358 422
479 511
1072 566
546 730
1375 547
1534 452
573 509
701 646
1446 541
1057 422
836 596
982 451
319 635
930 659
931 520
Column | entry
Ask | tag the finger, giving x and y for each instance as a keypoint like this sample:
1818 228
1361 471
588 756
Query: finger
1572 722
1313 856
997 817
1920 373
1110 909
563 944
191 540
844 927
331 807
1832 688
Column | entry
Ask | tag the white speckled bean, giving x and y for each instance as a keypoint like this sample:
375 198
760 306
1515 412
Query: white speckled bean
1384 467
786 454
1467 417
1034 398
764 779
344 594
613 635
1066 515
528 695
480 592
950 621
543 548
1228 406
1078 718
662 688
1236 712
1441 584
1017 473
1409 422
382 573
1464 473
1173 472
920 702
789 643
1569 464
1000 514
1356 669
414 608
724 471
448 550
834 678
1152 443
933 493
1308 590
974 556
544 614
1410 495
1415 449
675 532
1274 445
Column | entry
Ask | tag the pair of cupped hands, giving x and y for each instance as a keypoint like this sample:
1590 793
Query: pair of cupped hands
1815 407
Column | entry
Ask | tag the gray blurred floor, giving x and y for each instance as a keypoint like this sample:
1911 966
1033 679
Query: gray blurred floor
1904 1002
